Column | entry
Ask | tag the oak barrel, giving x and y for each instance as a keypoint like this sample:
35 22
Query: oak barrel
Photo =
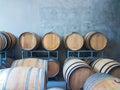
75 72
107 66
22 78
95 40
102 81
51 66
7 40
29 40
74 41
51 41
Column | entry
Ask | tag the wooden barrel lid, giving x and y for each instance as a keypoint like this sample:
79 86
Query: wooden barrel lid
51 41
29 41
74 41
53 68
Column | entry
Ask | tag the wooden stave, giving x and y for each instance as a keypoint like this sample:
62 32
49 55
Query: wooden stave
25 81
93 80
37 38
65 41
48 34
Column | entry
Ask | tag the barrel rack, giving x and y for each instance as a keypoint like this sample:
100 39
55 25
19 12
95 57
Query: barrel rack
86 54
41 54
3 57
46 55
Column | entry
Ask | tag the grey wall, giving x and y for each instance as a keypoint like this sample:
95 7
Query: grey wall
62 17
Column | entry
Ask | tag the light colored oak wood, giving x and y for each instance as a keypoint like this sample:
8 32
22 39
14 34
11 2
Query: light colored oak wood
22 78
51 41
53 68
74 41
96 40
29 40
79 77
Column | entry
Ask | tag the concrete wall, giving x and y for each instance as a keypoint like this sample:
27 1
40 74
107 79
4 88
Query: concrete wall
63 17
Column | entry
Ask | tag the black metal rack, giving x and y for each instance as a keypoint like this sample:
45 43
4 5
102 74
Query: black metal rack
3 57
86 54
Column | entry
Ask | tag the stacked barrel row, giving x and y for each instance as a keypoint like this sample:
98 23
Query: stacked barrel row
72 41
77 73
103 75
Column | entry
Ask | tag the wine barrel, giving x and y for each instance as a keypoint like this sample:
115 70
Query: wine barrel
22 78
29 40
102 81
52 67
7 40
51 41
95 40
56 88
75 72
107 66
6 62
74 41
11 39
